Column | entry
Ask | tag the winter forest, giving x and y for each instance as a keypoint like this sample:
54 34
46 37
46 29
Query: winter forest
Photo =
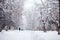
29 15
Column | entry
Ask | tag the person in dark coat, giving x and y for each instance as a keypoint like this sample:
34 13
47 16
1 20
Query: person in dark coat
19 29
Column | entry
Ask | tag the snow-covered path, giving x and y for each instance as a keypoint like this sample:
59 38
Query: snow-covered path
29 35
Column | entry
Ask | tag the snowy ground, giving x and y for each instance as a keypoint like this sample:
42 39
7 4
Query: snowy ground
29 35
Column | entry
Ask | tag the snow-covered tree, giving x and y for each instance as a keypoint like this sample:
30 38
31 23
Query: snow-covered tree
32 14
